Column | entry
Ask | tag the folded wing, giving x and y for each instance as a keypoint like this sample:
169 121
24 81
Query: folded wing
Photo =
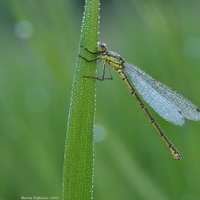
169 104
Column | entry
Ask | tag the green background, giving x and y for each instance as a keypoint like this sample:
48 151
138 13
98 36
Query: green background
38 48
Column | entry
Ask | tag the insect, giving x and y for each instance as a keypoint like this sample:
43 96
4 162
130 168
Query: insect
169 104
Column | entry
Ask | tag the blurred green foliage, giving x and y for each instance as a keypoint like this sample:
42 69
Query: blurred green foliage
38 48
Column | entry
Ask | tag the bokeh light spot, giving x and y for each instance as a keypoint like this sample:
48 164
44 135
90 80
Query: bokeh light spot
100 133
23 29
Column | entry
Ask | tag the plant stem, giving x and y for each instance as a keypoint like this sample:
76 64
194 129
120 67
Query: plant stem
79 146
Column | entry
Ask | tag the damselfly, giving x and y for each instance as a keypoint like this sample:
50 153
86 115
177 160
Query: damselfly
169 104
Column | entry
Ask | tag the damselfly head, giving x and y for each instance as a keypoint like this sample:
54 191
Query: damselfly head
101 47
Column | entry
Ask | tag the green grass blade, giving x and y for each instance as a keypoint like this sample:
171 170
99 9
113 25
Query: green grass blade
79 146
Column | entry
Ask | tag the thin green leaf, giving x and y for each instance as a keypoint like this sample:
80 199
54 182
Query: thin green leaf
79 146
